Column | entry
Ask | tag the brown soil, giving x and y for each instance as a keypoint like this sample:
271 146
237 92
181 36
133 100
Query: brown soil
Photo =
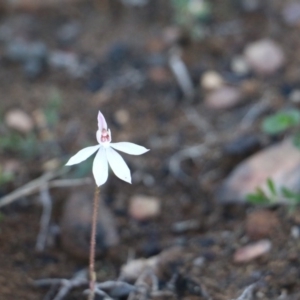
158 121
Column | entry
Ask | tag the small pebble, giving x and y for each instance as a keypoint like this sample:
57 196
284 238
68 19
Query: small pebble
68 33
211 80
295 96
239 66
75 66
295 232
134 268
122 116
19 50
19 120
184 226
252 251
291 13
199 261
62 60
33 68
261 224
51 165
264 57
223 98
144 208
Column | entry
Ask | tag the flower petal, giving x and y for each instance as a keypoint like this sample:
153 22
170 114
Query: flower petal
82 155
98 136
118 165
100 167
101 121
129 148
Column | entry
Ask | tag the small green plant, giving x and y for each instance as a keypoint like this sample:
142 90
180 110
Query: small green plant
16 143
274 195
6 177
280 122
52 108
192 15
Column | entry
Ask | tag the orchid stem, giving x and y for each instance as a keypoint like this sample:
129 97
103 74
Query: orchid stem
92 273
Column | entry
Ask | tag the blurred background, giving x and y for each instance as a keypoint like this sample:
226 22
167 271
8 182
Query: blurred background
210 86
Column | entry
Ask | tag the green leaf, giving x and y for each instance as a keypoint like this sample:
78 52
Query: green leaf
287 193
6 177
271 187
53 106
258 198
281 121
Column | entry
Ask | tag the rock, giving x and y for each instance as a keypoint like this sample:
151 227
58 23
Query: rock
51 165
122 116
280 162
295 96
211 80
63 60
68 33
291 13
252 251
70 62
143 208
223 97
185 226
134 268
17 119
19 50
261 224
76 225
264 56
295 232
239 66
33 68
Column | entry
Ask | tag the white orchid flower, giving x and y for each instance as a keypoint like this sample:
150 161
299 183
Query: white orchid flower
107 155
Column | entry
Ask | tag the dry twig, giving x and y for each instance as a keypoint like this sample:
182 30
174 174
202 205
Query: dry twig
35 185
45 218
247 293
64 285
108 289
181 74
